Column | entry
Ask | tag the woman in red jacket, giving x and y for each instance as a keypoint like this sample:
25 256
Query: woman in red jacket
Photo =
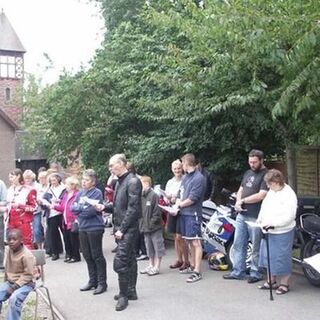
70 233
22 202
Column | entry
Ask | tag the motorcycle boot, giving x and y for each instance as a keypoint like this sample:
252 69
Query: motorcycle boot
123 295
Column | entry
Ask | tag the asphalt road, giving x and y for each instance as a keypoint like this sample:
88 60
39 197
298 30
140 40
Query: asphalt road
168 296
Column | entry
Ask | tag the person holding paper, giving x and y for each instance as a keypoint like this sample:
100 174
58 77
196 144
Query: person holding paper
252 191
190 204
55 191
277 215
91 230
70 238
21 203
172 192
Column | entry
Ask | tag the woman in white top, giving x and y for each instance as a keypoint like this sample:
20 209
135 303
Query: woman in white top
54 224
277 215
172 193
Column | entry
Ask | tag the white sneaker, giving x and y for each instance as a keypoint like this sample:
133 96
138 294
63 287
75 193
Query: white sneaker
146 270
153 271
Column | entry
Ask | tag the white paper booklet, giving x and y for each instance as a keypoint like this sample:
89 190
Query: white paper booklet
172 210
92 202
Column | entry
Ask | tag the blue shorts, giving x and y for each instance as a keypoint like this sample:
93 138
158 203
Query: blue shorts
190 227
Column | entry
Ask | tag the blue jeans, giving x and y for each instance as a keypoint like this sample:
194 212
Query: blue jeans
15 300
37 228
242 235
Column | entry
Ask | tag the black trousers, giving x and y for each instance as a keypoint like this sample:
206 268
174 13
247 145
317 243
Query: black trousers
91 247
54 227
71 244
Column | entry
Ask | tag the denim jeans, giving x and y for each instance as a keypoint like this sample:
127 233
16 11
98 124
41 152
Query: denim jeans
15 300
242 235
37 228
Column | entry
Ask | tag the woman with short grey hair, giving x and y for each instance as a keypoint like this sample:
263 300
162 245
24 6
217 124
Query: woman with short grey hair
91 229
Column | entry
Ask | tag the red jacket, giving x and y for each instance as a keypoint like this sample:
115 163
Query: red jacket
64 206
26 199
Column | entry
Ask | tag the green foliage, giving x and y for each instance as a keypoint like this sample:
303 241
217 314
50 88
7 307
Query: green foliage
174 78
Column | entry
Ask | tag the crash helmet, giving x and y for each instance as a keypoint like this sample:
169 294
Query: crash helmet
218 261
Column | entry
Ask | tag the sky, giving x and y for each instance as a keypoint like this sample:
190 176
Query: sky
68 31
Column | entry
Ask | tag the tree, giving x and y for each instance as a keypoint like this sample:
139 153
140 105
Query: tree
174 78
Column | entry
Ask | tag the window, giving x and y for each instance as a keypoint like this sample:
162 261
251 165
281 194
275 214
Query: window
8 94
11 67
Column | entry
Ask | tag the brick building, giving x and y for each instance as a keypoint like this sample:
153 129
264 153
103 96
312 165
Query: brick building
11 82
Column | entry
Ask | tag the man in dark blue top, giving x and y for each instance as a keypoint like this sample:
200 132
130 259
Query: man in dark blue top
190 203
252 191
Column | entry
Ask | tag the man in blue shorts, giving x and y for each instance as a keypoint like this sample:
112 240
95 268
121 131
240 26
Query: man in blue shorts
190 204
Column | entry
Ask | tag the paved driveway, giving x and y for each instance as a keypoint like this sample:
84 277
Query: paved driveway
168 296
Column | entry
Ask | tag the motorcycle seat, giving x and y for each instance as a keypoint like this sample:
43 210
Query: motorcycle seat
311 223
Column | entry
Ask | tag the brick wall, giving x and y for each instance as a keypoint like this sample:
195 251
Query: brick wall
13 107
7 149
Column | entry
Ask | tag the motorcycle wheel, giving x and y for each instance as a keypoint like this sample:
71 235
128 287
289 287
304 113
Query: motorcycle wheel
230 255
310 249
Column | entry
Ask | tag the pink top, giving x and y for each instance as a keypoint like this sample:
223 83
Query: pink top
64 206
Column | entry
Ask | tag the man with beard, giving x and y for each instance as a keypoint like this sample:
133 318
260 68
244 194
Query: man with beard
126 213
252 191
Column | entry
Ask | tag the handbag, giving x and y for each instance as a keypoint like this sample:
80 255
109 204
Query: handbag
75 226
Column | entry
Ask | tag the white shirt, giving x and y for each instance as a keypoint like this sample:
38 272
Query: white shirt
56 192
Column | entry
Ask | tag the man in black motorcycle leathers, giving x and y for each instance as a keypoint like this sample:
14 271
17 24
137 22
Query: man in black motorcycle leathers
126 214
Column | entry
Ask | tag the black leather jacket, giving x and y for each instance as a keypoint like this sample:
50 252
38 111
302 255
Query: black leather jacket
127 202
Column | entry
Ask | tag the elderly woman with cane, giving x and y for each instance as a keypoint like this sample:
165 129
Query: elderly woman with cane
277 216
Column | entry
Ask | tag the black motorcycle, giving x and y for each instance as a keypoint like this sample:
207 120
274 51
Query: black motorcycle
307 240
310 224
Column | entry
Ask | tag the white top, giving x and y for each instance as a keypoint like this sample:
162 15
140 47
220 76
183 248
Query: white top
56 192
279 209
173 187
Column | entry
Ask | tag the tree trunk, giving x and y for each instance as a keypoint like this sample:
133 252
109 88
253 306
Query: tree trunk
291 167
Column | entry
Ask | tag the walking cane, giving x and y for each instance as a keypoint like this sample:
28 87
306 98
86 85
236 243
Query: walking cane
266 236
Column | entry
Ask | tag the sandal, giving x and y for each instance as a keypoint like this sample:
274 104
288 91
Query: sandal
282 289
266 286
196 276
176 265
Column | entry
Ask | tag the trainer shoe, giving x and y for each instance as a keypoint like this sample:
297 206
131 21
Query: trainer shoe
146 270
153 271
